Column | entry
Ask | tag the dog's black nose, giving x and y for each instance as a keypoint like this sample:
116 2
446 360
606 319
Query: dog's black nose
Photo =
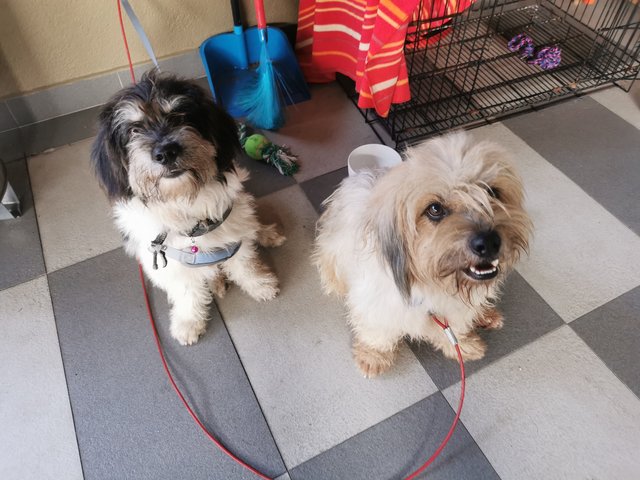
486 244
166 153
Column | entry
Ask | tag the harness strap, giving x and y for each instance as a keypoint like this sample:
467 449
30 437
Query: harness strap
207 225
190 259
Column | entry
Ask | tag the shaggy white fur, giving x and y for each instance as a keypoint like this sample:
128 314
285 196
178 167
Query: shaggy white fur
189 289
395 267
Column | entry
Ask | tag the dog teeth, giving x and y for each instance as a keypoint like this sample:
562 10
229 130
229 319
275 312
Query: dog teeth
495 262
477 271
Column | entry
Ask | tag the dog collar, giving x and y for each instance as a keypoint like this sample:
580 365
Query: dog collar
190 258
207 225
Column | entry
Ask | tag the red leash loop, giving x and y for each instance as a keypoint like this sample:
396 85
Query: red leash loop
222 448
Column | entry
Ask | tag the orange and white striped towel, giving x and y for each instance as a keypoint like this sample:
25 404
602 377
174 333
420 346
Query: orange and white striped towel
364 40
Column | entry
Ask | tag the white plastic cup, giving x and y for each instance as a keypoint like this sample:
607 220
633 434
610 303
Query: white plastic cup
371 157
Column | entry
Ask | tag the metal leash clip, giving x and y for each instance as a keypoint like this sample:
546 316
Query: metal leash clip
156 248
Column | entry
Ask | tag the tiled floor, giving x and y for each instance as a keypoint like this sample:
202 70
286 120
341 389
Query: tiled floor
83 394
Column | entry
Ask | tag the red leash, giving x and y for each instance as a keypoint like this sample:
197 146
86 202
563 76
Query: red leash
179 393
445 327
454 341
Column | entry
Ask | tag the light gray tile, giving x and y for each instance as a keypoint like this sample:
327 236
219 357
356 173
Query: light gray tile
37 438
594 147
397 446
20 250
581 255
613 332
625 105
73 213
553 410
323 131
7 122
63 99
59 131
296 349
526 318
284 477
129 421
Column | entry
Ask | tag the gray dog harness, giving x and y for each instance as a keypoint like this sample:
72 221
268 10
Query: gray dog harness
194 257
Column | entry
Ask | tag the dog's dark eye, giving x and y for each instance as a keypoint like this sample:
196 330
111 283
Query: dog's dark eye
494 192
435 211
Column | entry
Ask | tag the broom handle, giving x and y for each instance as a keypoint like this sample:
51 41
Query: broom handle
260 18
235 11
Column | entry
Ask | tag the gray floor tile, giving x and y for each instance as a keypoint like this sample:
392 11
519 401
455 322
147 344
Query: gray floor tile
527 318
73 213
594 147
613 332
37 439
574 265
20 250
624 104
319 188
399 445
323 131
264 178
296 349
553 410
59 131
129 422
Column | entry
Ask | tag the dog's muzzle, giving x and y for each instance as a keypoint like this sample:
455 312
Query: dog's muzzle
166 153
486 245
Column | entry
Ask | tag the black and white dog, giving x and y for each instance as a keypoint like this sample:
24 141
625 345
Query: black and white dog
164 156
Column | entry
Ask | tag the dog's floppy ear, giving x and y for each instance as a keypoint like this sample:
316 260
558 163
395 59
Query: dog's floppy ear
216 126
389 231
224 133
109 157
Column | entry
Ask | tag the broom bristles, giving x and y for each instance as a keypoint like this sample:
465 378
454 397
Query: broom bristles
263 100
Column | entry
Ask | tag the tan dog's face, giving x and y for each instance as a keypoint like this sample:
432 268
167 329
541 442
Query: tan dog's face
451 217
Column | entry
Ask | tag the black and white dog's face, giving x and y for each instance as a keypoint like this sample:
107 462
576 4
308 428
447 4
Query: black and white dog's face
162 139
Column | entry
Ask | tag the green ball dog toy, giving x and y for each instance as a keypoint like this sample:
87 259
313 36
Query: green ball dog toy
255 144
259 147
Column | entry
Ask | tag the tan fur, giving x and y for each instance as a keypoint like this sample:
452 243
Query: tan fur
491 319
395 266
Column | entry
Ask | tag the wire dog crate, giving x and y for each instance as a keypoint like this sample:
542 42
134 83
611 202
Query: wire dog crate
462 73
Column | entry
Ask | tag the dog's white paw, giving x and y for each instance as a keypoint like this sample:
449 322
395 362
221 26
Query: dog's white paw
187 333
267 290
219 286
491 320
372 362
269 236
472 347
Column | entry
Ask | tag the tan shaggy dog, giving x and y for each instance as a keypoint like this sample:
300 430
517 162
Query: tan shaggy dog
434 235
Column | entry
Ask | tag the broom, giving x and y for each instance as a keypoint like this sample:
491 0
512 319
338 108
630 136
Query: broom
263 99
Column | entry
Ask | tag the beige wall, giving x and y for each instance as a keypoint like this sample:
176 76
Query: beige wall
49 42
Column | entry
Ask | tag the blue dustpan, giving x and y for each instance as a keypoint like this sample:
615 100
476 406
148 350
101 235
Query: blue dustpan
228 66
